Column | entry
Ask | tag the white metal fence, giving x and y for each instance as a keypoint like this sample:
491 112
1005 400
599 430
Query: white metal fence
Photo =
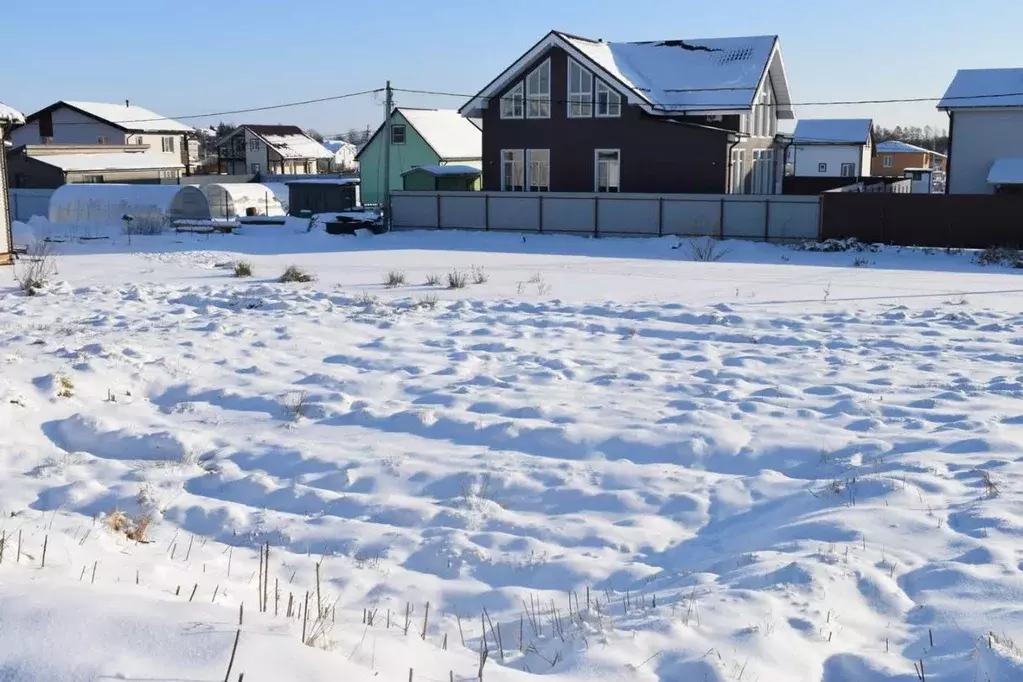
26 203
773 218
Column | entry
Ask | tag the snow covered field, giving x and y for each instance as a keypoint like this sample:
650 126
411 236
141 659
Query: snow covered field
781 466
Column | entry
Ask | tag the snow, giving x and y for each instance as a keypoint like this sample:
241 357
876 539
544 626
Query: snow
779 466
297 146
832 131
453 169
897 147
720 74
450 134
10 114
973 88
115 161
230 200
134 118
1006 171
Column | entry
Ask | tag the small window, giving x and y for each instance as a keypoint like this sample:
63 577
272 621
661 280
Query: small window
738 171
139 141
608 170
255 168
512 171
609 102
848 170
580 91
512 102
398 133
253 145
887 161
102 139
167 144
91 179
822 168
538 170
538 92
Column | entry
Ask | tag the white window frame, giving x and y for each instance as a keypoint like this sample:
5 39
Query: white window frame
404 133
596 171
254 145
529 166
538 102
513 102
167 144
612 104
580 100
738 180
517 157
822 167
851 167
888 161
763 172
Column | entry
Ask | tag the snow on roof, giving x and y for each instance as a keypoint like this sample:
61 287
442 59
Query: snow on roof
324 181
691 75
898 147
972 88
449 134
1006 171
130 117
290 142
10 114
454 169
337 145
115 161
832 131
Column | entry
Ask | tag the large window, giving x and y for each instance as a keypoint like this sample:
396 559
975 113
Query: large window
538 170
398 133
848 170
763 172
167 144
538 92
607 170
609 102
511 103
580 91
253 145
738 180
764 120
888 161
512 171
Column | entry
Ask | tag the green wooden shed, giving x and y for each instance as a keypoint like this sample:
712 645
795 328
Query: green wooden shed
453 178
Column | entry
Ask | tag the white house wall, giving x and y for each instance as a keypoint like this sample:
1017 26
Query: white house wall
807 160
69 127
979 138
253 156
867 161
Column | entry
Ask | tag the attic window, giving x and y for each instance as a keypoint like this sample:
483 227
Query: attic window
580 91
609 102
398 134
538 91
512 102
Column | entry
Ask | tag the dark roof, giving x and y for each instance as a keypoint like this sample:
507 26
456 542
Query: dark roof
274 129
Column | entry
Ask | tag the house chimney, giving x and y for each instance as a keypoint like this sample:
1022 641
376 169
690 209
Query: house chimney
127 104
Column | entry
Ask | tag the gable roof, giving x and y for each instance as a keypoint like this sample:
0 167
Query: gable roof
10 114
978 88
669 77
290 142
833 131
128 118
451 136
899 147
110 162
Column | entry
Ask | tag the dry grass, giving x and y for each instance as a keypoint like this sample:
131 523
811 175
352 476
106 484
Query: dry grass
135 529
432 280
479 275
35 271
66 387
706 250
293 273
394 279
429 301
457 279
243 268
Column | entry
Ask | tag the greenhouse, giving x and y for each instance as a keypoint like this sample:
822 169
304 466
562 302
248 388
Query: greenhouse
145 208
231 200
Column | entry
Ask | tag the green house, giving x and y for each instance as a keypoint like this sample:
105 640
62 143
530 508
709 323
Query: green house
421 138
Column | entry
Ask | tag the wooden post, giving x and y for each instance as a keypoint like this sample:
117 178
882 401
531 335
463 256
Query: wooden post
234 650
3 541
721 219
410 675
767 220
486 212
596 233
194 590
438 227
660 216
93 580
259 583
18 558
241 613
277 596
46 540
266 578
305 616
426 620
319 603
191 539
539 212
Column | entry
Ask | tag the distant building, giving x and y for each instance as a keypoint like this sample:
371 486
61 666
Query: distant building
894 157
8 117
270 149
832 147
343 160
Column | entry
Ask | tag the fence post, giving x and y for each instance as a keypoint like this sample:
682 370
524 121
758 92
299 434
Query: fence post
767 220
438 211
882 224
721 219
820 217
660 216
486 212
539 211
596 215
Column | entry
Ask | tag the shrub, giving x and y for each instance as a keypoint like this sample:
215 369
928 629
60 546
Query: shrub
837 245
295 407
395 278
479 275
67 387
1000 255
243 268
36 270
457 279
293 273
433 280
706 250
427 301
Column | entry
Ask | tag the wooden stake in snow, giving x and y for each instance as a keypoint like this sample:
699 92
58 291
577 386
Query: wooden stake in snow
319 602
234 650
230 555
259 582
408 612
3 541
215 590
241 613
305 615
94 564
291 601
194 590
189 552
277 596
18 559
266 578
426 620
46 540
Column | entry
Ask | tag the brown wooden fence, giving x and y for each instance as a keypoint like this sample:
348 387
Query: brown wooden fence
943 220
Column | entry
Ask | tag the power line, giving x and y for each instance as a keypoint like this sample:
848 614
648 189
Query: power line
894 100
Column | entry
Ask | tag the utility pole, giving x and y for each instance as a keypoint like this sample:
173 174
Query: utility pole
388 105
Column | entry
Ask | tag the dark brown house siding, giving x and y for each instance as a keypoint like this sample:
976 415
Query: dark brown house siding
24 172
657 155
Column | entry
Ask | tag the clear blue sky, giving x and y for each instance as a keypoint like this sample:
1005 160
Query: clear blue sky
183 57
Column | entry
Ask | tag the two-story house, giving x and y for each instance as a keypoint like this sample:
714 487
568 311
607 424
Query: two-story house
73 141
575 114
985 131
275 149
894 157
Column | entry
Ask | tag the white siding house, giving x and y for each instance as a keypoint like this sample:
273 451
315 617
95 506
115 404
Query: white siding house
270 149
8 117
833 148
985 108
